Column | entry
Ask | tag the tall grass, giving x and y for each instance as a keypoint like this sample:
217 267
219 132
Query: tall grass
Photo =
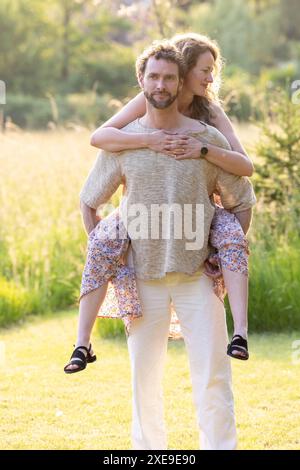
42 241
274 302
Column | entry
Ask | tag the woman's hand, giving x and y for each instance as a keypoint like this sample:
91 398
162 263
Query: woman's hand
182 147
159 141
178 146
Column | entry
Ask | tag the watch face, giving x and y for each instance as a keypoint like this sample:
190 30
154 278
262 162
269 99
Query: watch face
204 150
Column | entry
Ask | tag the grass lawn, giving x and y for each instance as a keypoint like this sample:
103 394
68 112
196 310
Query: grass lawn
43 408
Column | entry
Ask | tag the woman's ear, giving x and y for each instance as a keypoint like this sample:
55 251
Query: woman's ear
180 84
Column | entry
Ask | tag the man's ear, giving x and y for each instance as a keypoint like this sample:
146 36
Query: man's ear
141 81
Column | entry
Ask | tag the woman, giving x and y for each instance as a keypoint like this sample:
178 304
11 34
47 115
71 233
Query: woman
199 100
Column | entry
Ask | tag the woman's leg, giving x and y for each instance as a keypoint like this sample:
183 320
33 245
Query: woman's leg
228 238
104 252
237 287
88 309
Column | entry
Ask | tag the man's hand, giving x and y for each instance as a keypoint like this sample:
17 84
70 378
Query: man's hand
244 217
89 217
211 267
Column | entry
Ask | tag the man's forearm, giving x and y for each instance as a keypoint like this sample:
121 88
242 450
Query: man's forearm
244 218
89 217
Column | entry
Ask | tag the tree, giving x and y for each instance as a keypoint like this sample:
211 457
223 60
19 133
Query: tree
290 19
27 59
279 149
45 46
163 12
247 38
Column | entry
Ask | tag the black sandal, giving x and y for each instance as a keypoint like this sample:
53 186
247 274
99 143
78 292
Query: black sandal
81 359
238 343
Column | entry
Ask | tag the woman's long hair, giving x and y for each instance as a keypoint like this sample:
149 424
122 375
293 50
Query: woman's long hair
193 45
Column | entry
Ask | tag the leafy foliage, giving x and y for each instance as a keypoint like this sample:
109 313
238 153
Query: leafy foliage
65 46
279 150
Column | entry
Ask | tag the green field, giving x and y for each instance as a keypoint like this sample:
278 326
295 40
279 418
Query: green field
43 408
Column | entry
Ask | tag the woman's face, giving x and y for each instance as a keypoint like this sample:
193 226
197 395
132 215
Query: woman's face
201 75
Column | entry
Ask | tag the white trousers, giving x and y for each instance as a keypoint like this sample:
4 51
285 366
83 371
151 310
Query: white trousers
202 319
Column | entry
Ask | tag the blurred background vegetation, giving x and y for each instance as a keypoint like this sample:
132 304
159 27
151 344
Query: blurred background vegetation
73 60
68 65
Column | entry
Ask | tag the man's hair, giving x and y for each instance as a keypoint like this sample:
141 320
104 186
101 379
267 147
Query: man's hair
160 50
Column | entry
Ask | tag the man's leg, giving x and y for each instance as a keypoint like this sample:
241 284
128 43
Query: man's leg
202 318
147 345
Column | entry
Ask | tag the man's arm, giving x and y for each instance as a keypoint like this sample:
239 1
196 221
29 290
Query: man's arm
102 182
237 195
245 218
89 217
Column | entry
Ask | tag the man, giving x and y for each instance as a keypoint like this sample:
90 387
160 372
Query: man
169 266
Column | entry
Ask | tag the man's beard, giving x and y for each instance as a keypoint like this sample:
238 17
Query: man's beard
160 104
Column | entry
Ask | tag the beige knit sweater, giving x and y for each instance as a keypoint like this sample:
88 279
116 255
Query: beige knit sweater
182 187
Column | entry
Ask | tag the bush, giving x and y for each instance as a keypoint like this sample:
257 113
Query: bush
110 328
238 93
86 109
112 70
273 78
14 302
28 111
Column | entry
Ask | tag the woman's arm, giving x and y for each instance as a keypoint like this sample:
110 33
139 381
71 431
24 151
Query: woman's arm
235 161
229 160
114 140
109 136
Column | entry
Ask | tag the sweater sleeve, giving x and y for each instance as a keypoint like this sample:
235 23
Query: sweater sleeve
236 192
103 180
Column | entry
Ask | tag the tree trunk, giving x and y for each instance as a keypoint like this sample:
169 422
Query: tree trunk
159 19
65 42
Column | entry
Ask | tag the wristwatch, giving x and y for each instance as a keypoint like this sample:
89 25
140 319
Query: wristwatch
203 151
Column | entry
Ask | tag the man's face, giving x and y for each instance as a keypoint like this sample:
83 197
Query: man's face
161 83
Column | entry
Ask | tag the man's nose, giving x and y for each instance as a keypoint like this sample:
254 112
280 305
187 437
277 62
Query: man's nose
160 84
